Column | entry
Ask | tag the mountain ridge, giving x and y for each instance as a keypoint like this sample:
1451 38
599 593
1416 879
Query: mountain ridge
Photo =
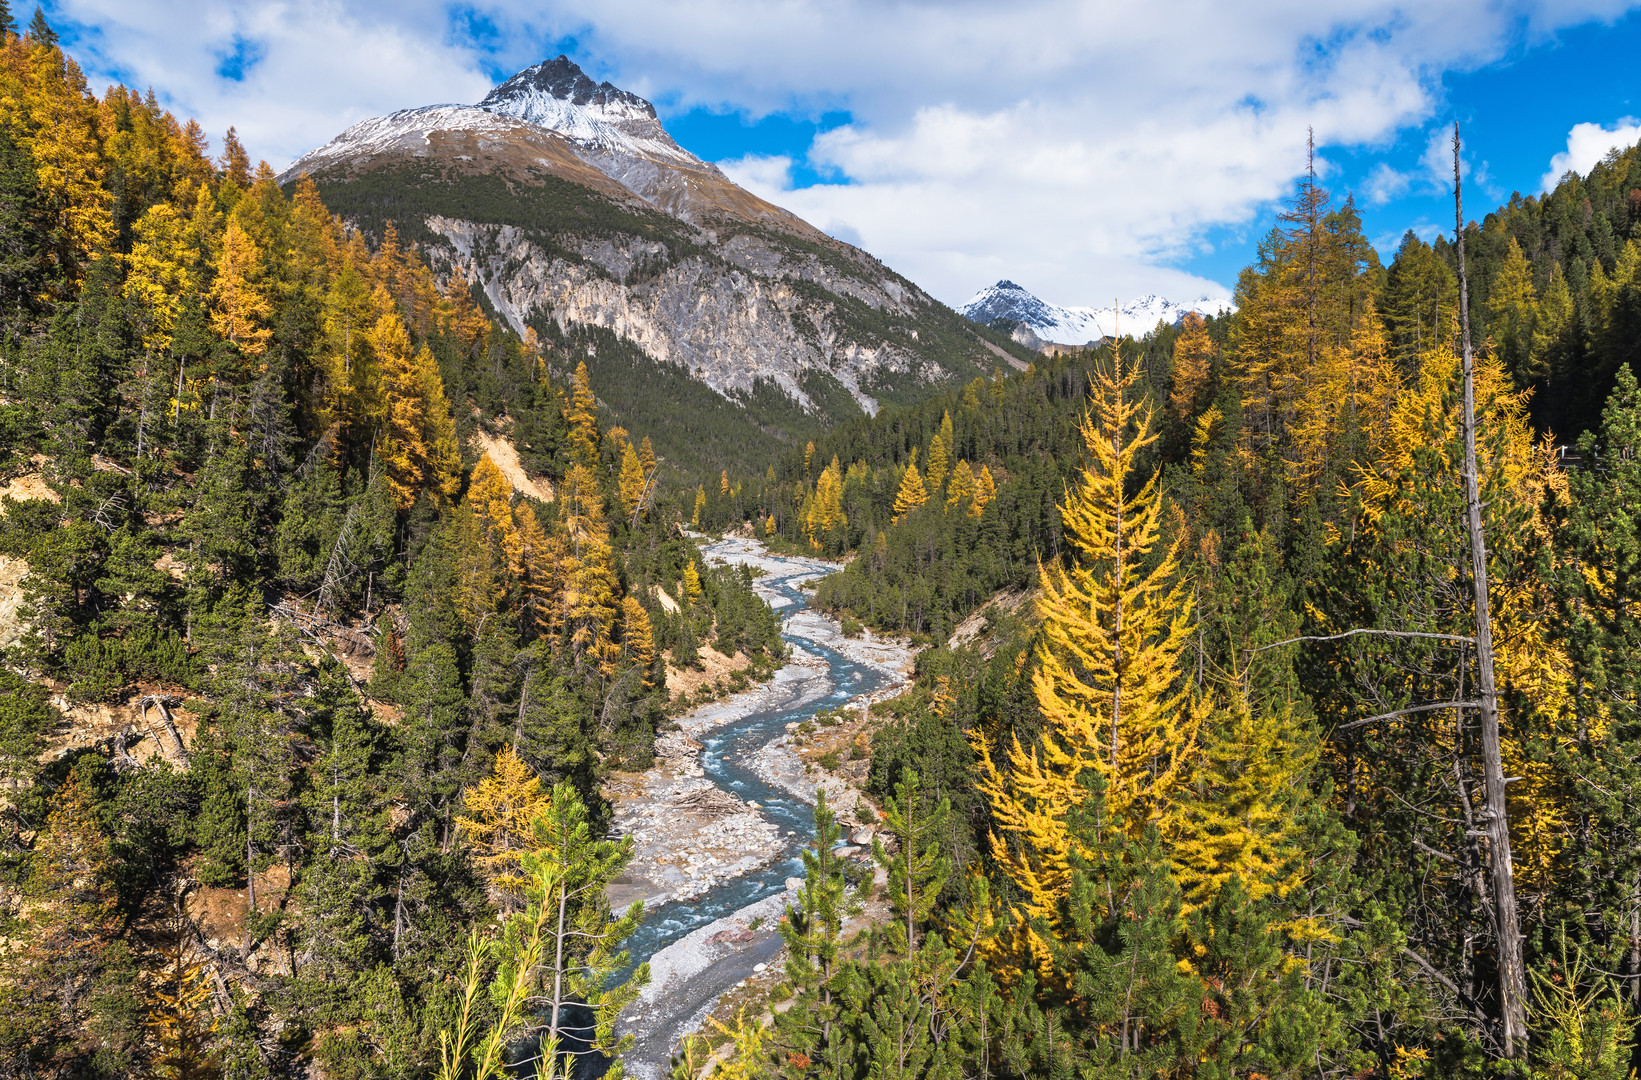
1054 324
565 202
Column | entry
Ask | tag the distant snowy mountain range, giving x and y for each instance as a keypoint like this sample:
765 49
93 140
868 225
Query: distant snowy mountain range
1080 325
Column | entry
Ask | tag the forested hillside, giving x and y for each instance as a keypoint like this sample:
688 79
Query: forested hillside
1300 738
299 550
1223 802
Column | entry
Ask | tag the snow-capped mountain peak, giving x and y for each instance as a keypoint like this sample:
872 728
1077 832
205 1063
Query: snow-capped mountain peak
559 81
557 95
1079 325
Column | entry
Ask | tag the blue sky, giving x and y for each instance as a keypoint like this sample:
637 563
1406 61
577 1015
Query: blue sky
1089 149
1515 116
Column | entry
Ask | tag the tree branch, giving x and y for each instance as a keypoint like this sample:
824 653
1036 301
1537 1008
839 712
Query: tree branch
1460 638
1408 712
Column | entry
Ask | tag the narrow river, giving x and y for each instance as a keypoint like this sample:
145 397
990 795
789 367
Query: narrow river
725 760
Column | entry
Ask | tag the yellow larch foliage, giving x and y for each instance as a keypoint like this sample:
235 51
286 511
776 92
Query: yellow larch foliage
160 272
1194 353
1351 385
538 571
418 444
1108 675
180 1019
592 594
940 455
638 638
497 825
490 497
45 102
912 493
1237 811
723 482
985 490
633 481
823 509
349 314
239 302
582 416
1530 657
960 491
769 525
692 582
646 456
808 455
700 505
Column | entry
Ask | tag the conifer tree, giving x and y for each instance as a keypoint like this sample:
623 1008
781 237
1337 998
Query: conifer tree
1512 308
813 931
700 505
638 638
418 443
581 413
960 491
940 454
179 1016
692 582
633 483
47 979
490 497
239 305
1109 665
912 493
568 868
1194 353
1240 816
822 512
497 823
985 490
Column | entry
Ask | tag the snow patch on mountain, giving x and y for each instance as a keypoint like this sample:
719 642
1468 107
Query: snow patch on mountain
407 129
1079 325
613 130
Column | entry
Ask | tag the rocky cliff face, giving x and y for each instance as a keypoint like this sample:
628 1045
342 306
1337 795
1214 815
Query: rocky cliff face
732 322
567 202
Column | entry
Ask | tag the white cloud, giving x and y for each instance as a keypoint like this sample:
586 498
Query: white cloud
760 172
1385 184
1587 144
1079 145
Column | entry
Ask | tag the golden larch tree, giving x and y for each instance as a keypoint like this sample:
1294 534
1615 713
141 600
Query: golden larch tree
633 482
985 490
239 302
497 825
638 638
960 490
582 415
912 493
1108 673
1194 353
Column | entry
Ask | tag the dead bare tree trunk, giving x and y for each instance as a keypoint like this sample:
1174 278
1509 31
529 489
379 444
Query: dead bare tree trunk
1512 972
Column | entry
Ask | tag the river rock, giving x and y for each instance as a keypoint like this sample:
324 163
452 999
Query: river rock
847 851
862 835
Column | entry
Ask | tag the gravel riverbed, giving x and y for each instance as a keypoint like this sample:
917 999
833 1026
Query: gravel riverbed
709 860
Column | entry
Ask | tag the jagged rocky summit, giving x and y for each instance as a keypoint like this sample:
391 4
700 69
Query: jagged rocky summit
1034 322
568 203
